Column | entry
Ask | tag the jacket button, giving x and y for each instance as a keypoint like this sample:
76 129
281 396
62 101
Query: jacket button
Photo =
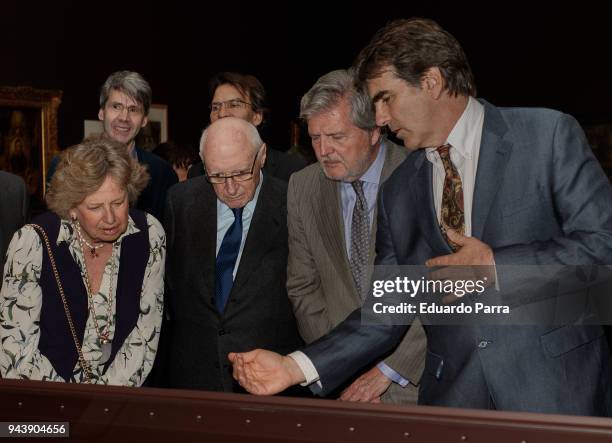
221 331
483 344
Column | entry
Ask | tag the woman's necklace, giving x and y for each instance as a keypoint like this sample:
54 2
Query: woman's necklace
92 248
103 335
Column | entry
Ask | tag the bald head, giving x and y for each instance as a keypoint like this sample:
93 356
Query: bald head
231 146
227 132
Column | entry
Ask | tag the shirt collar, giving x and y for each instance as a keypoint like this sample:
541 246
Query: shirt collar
66 232
463 134
372 175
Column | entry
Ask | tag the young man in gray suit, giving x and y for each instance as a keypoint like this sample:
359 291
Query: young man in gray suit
14 204
526 190
324 215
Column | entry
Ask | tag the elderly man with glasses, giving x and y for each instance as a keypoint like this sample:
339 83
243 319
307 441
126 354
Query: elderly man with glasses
227 258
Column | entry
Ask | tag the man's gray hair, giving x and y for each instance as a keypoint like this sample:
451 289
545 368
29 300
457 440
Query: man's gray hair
251 132
333 87
131 84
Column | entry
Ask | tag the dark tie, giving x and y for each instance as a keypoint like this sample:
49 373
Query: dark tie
226 259
360 238
451 212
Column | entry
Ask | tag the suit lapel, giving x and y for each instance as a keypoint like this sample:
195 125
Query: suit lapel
328 216
394 156
492 161
265 226
425 207
204 207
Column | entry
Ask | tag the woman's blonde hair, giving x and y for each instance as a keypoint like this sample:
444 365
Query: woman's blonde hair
83 168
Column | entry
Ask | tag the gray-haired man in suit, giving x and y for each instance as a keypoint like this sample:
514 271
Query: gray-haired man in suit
532 193
323 205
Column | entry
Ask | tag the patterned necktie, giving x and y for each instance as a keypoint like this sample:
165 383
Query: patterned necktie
452 215
360 238
226 259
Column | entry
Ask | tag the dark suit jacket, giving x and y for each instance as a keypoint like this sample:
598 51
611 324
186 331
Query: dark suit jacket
14 203
153 198
278 164
540 198
258 312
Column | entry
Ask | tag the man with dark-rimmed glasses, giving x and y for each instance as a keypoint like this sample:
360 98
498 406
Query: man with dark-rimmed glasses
234 94
226 272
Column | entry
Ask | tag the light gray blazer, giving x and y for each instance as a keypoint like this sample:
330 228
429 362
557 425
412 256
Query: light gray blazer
319 280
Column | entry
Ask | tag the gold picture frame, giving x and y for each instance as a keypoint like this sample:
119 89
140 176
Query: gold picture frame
28 133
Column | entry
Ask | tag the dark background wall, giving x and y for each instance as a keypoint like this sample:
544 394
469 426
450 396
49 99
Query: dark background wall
524 55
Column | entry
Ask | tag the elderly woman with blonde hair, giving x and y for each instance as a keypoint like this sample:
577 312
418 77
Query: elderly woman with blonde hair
82 292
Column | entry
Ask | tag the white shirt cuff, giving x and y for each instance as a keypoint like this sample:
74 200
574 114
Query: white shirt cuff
306 366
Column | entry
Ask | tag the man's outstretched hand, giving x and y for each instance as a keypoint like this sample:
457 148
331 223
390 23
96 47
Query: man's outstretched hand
264 372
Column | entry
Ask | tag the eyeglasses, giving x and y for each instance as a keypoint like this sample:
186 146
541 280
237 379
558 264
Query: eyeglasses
120 107
241 176
230 105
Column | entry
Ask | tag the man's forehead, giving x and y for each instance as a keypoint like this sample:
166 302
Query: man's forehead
336 113
227 91
223 159
228 146
119 96
379 84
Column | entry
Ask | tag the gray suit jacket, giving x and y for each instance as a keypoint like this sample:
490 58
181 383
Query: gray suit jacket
14 203
541 197
319 280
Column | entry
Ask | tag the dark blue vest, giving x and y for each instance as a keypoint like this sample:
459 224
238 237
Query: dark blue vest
56 342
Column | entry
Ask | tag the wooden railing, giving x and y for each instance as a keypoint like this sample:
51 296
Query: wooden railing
115 414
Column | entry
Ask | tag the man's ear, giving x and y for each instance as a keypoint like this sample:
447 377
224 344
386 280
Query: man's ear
101 114
375 136
257 118
144 122
433 82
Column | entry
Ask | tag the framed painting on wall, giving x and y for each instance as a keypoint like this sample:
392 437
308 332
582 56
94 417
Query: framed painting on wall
28 135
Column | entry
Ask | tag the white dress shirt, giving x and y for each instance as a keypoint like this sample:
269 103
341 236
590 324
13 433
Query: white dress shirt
465 141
